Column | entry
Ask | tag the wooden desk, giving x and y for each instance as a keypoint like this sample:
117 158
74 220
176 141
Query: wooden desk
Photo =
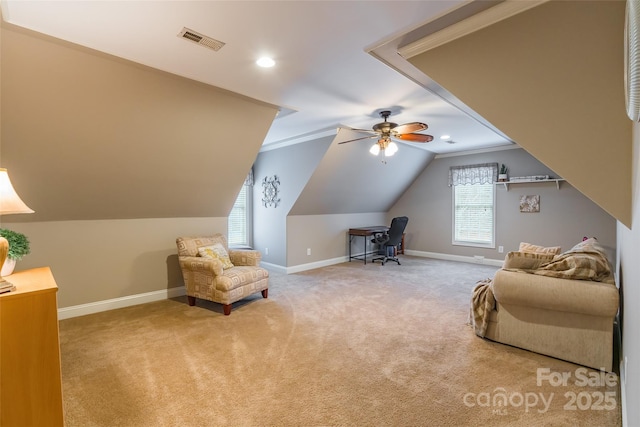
30 374
364 232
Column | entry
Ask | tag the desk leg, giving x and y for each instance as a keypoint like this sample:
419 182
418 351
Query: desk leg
365 249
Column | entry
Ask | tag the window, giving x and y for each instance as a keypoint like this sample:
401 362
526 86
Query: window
241 217
474 204
473 215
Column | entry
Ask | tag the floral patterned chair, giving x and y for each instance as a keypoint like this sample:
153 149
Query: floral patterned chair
213 272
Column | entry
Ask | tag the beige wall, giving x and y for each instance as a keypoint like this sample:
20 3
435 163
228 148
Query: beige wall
629 280
99 260
329 188
565 214
293 165
551 78
89 136
325 235
351 180
117 160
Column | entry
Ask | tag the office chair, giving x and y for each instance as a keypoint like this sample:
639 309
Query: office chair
388 242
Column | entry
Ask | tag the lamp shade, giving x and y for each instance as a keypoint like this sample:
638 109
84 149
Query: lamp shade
10 202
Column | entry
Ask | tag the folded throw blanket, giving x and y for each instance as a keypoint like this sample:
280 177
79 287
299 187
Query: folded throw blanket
482 302
585 261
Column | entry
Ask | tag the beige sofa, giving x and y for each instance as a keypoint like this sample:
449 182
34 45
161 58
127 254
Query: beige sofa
564 318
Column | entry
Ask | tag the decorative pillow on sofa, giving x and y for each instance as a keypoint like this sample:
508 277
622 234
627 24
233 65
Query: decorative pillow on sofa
526 260
528 247
216 251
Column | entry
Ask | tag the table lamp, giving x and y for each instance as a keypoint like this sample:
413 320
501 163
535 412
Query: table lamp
10 203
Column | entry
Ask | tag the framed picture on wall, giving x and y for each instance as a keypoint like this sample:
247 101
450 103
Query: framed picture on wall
530 204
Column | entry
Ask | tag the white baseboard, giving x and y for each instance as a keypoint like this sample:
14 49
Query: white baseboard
274 267
317 264
435 255
459 258
111 304
623 393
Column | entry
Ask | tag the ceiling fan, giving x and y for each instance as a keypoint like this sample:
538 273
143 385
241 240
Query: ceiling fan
386 131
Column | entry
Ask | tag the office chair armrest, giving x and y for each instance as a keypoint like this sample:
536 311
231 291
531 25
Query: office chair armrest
380 238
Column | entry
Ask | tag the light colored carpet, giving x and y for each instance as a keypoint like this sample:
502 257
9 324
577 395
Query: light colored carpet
345 345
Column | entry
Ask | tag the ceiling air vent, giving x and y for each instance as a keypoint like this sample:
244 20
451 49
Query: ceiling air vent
201 39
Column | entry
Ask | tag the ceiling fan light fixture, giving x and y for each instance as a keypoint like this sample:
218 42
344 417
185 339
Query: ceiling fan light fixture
386 130
391 149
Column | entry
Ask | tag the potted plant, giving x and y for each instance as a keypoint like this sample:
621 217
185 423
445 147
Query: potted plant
502 175
18 247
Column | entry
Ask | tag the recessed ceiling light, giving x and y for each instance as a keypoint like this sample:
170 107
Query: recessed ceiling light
265 62
445 137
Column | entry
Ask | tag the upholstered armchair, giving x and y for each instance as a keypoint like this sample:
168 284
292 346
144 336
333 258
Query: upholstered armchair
216 273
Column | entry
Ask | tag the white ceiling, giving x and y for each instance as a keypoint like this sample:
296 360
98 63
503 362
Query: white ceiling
331 57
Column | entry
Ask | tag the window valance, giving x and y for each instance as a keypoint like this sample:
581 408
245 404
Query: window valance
485 173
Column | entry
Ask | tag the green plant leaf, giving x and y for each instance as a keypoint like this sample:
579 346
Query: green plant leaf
18 244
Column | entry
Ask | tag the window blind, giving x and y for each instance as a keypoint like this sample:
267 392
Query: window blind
240 219
474 214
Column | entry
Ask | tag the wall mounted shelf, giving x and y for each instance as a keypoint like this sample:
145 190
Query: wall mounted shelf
533 181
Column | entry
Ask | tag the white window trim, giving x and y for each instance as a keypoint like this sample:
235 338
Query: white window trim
455 242
248 218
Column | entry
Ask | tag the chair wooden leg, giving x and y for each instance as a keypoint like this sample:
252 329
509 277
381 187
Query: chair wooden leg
227 309
265 293
191 300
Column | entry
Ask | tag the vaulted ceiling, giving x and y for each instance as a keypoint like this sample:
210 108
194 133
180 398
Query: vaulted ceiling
330 71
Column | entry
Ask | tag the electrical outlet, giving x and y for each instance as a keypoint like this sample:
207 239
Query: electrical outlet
500 249
266 251
308 251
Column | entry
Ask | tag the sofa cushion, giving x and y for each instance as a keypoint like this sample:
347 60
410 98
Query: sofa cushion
216 251
526 260
528 247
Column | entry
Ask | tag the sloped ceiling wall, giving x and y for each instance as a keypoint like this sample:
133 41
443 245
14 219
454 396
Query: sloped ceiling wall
88 136
349 179
551 78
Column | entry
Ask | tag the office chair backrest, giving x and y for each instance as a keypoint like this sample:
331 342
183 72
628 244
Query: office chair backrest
398 224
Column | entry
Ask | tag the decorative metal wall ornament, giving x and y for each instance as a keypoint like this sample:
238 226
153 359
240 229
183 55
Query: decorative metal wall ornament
270 191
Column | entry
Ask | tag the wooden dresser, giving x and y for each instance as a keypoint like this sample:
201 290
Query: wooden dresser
30 375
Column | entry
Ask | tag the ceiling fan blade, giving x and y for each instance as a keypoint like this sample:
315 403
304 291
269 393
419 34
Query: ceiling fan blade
358 139
362 130
410 127
414 137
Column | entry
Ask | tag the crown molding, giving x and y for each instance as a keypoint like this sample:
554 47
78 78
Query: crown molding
478 151
310 136
469 25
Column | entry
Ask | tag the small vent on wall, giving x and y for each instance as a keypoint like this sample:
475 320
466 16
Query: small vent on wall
200 39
